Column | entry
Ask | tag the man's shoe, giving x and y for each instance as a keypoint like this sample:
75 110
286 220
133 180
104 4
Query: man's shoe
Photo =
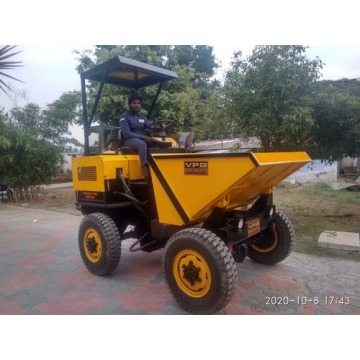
145 171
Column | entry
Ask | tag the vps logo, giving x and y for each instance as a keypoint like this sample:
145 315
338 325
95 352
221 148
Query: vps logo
196 167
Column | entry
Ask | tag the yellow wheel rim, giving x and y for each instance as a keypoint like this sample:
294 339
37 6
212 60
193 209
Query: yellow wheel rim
273 244
192 273
92 245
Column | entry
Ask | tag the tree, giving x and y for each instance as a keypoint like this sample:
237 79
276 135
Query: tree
184 100
51 124
5 64
269 95
26 162
32 142
337 119
59 115
4 141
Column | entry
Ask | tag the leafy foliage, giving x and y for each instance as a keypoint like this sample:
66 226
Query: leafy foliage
26 161
32 142
337 119
184 100
51 124
269 94
5 64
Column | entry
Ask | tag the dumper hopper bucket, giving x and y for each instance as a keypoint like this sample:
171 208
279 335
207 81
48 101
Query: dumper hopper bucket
188 186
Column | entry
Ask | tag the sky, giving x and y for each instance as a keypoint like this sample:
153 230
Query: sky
50 70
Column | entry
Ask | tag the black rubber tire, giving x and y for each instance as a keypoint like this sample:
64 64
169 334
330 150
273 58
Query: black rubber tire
276 242
218 271
102 231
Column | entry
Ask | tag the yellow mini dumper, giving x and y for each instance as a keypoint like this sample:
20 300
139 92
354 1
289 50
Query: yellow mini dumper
208 210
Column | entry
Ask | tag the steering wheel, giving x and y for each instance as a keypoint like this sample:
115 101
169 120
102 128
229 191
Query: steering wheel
164 124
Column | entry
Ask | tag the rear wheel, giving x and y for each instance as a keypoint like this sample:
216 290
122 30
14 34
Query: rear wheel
275 243
99 243
199 270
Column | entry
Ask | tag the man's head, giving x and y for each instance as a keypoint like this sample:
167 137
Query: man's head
134 102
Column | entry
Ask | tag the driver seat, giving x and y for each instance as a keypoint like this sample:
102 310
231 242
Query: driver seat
157 146
125 150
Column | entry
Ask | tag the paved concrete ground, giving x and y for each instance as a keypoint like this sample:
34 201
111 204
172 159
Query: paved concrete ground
41 272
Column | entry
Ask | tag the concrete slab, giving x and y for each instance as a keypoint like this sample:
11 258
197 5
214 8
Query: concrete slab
339 240
340 186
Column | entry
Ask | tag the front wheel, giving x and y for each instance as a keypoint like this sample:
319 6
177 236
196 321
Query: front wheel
99 243
199 270
275 243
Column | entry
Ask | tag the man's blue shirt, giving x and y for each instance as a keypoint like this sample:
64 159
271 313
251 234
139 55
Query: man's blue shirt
133 124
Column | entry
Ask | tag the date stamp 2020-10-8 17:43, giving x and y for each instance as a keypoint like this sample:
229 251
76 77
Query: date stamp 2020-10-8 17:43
305 300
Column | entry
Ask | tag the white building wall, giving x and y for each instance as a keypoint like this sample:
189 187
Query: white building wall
67 162
316 171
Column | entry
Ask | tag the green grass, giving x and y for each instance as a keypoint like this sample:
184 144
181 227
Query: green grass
316 208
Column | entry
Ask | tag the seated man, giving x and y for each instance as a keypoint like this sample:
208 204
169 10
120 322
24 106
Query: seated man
133 124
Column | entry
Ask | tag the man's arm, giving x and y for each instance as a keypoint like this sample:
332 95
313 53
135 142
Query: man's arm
148 126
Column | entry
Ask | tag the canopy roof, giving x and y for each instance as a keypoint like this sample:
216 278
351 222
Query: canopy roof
128 73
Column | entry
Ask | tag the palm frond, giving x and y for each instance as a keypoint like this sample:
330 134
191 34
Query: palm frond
5 53
4 89
4 57
9 76
7 48
10 64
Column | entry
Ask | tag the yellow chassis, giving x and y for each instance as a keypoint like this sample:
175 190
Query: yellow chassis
188 186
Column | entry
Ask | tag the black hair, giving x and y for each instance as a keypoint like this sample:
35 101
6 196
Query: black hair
133 97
